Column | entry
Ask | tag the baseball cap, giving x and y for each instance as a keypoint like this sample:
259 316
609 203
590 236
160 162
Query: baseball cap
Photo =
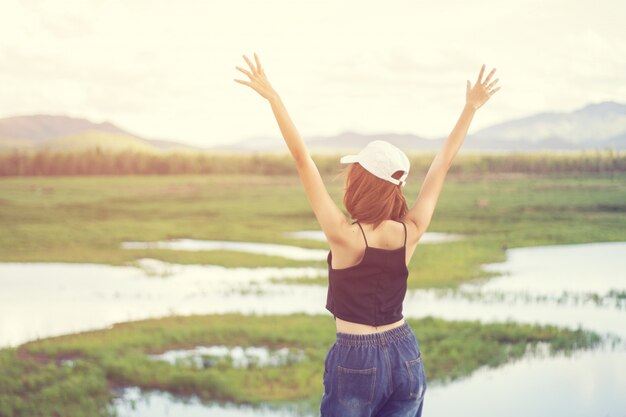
381 159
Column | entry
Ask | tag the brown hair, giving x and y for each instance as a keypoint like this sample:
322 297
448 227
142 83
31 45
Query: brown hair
370 199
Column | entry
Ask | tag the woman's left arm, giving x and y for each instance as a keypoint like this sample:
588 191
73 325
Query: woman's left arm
422 211
329 216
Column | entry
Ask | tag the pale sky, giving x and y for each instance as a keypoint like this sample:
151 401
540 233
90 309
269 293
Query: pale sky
165 69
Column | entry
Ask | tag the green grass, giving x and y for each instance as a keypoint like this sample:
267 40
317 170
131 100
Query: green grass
31 388
34 381
84 219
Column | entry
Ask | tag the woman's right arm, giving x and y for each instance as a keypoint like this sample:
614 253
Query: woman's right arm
329 216
422 211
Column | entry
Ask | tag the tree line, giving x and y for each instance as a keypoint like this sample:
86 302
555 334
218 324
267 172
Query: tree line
98 162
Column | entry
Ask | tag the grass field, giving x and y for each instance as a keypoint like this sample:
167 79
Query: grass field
37 380
84 219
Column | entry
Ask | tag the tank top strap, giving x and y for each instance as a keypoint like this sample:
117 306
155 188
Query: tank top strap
357 222
404 233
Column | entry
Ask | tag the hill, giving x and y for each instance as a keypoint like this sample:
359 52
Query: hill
64 133
595 126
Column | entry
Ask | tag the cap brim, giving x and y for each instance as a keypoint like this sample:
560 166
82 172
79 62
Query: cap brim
348 159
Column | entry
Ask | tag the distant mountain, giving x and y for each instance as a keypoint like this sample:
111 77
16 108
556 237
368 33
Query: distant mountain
91 139
354 141
595 126
64 133
40 128
344 142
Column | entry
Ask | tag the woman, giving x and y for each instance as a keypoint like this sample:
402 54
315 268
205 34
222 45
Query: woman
375 367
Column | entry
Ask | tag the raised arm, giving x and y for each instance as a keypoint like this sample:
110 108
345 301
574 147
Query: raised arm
329 216
422 211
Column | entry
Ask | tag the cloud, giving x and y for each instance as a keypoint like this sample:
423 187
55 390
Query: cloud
165 68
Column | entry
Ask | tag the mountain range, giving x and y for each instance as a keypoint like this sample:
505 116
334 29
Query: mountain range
595 126
64 133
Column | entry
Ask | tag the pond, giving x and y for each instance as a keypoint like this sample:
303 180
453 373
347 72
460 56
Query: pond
48 299
237 356
427 237
550 386
285 251
568 285
32 307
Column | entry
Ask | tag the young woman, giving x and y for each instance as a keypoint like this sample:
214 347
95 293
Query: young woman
375 366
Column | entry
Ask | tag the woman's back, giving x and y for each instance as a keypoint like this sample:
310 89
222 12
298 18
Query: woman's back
366 288
388 235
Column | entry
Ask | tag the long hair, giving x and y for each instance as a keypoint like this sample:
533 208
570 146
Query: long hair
370 199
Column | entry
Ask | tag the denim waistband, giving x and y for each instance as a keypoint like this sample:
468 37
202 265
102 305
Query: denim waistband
381 338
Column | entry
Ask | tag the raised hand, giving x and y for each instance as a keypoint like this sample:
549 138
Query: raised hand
258 81
481 92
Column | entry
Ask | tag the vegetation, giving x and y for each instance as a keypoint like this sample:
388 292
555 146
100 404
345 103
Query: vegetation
140 160
495 202
71 374
29 387
85 219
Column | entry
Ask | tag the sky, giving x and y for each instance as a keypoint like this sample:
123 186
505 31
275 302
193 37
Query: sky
166 69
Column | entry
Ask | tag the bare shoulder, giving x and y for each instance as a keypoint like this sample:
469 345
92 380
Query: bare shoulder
347 235
413 235
413 232
349 249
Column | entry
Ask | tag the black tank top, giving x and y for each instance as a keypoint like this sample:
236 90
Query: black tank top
372 291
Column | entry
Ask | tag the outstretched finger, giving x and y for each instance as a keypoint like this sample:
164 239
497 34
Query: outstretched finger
492 92
490 75
258 62
492 83
480 75
242 82
244 71
250 65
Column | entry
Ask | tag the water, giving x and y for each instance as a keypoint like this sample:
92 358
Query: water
285 251
566 285
587 383
427 237
237 356
133 402
32 307
48 299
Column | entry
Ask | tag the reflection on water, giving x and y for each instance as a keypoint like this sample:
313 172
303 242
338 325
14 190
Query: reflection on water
550 270
237 357
43 299
427 237
285 251
133 402
567 285
586 383
47 299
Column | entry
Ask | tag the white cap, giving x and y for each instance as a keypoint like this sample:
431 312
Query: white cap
382 159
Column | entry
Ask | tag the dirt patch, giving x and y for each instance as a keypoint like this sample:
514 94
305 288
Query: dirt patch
24 354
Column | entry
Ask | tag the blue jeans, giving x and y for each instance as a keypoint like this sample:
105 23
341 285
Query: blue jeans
378 374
